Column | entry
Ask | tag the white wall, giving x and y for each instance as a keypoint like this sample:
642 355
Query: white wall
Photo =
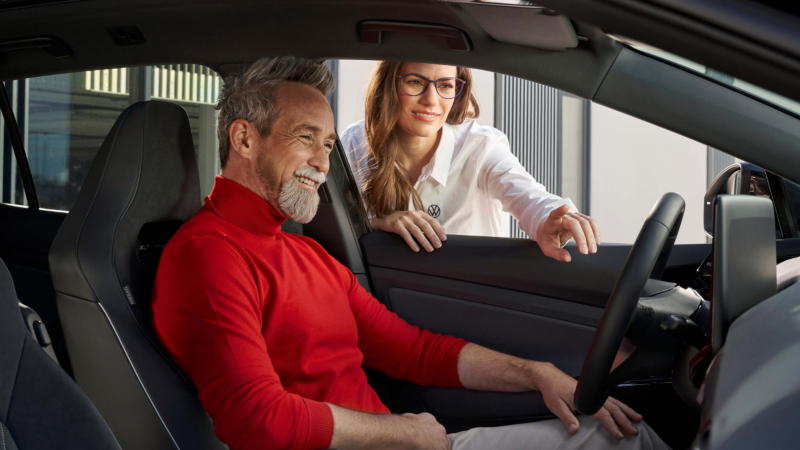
633 163
483 86
351 84
572 153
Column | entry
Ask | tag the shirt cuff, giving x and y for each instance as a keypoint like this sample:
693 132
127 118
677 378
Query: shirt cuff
320 425
447 373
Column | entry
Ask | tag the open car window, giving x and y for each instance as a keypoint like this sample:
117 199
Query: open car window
612 166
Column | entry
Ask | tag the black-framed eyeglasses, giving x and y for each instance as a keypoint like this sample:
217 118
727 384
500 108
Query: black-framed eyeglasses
414 84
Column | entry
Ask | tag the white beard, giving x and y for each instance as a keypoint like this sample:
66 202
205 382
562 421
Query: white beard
297 202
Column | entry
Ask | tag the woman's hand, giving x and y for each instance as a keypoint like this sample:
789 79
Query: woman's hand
560 226
424 228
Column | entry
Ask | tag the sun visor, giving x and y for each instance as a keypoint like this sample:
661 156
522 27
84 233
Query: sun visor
531 27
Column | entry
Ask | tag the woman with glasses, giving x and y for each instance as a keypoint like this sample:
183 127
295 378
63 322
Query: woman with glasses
425 165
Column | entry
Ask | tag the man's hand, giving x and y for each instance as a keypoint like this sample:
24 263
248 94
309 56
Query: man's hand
558 390
356 430
412 225
426 433
560 226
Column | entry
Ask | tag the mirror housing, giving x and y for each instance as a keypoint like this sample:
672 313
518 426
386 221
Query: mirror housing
747 179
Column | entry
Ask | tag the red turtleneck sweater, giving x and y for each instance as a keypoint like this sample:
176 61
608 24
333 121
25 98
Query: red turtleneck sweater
269 327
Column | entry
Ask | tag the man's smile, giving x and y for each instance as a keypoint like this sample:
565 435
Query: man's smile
307 183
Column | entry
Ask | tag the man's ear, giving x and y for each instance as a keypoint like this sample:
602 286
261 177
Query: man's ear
242 135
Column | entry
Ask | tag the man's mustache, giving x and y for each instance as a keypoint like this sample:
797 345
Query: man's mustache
311 173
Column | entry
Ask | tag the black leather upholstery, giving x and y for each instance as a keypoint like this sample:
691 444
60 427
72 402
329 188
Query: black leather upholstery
6 438
144 173
40 406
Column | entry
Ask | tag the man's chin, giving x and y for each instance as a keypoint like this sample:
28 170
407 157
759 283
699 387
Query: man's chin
304 220
298 216
297 203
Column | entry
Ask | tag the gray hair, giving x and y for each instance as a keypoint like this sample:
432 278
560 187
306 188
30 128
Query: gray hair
252 95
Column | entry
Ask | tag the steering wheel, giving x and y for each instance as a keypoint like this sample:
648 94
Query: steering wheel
647 259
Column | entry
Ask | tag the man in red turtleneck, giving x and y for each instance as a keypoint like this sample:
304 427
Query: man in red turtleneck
274 332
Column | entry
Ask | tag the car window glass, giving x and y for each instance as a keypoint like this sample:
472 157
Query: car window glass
793 198
612 166
64 119
196 89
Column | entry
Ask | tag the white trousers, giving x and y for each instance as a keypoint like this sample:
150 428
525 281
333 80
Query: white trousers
551 434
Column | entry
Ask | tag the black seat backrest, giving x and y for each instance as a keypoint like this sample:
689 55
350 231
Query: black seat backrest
141 186
40 406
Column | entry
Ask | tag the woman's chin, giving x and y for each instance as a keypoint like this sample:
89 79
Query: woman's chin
423 130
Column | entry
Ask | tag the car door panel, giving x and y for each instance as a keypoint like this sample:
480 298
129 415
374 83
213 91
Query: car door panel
25 238
503 294
388 280
522 334
516 264
451 406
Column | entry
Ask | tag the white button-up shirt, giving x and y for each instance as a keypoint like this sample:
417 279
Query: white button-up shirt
472 182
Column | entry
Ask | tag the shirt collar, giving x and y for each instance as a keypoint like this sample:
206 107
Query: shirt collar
443 156
243 208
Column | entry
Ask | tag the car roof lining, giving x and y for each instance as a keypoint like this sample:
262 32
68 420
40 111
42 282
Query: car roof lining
211 33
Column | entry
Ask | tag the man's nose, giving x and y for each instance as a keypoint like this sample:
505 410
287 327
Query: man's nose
321 161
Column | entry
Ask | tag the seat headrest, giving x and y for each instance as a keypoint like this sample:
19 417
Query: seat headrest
144 172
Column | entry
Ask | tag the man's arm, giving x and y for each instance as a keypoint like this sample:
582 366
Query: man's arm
356 430
487 370
480 369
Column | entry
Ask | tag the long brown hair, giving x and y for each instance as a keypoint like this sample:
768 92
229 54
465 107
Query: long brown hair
388 186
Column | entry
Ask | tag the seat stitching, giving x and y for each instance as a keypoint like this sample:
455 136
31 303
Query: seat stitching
3 434
139 158
118 285
77 245
147 336
91 205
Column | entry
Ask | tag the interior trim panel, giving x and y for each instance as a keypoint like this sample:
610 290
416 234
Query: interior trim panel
388 280
525 335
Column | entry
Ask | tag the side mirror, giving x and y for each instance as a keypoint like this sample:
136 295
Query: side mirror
748 179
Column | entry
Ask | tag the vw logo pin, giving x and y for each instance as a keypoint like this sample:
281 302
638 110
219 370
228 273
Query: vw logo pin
434 211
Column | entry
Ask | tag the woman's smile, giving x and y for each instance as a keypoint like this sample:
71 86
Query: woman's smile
425 116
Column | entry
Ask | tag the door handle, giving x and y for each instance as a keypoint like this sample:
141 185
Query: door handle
54 46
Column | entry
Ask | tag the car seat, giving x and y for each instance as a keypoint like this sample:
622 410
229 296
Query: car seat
40 406
141 186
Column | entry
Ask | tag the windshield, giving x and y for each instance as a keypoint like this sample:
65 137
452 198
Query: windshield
764 94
